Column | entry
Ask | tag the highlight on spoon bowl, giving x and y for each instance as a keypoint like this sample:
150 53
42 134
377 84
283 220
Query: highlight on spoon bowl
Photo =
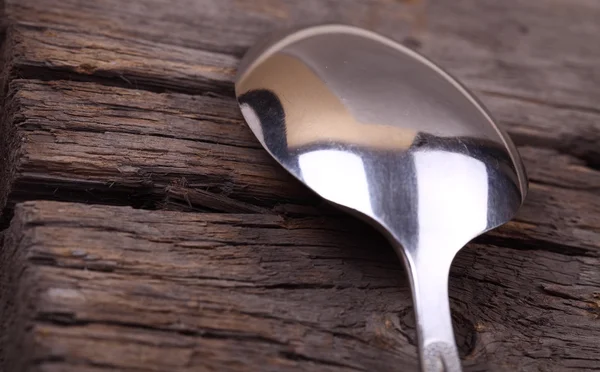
384 133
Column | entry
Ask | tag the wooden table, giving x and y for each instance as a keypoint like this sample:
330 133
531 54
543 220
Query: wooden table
146 230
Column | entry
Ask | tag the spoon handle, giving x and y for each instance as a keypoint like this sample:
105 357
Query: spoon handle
429 281
440 357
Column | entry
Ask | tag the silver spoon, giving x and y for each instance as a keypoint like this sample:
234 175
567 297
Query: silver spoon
382 132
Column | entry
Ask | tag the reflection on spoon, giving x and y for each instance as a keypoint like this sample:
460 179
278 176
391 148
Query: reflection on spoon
325 169
384 133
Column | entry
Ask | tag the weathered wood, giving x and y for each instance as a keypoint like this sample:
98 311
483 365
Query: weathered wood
54 111
130 103
114 287
98 140
134 63
509 52
507 47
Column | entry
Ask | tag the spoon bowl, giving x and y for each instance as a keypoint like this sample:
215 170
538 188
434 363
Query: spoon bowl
382 132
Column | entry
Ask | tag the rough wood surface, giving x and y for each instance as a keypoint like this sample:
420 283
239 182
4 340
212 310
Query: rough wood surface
130 104
96 143
118 288
508 52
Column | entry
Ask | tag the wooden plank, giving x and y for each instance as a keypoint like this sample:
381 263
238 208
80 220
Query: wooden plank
228 26
509 52
54 111
100 140
530 121
118 288
135 154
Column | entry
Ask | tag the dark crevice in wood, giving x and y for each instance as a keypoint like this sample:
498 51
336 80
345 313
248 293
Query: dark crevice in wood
151 197
89 194
8 142
111 79
592 160
138 199
42 260
70 320
585 149
6 216
534 245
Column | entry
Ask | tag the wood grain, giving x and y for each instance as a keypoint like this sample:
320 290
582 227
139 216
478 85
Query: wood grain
133 146
118 288
54 111
510 52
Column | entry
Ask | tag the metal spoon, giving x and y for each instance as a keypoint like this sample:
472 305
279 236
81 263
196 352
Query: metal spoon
382 132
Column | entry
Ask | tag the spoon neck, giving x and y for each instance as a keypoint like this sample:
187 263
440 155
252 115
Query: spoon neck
429 272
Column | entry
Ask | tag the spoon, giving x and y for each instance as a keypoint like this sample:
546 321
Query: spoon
385 134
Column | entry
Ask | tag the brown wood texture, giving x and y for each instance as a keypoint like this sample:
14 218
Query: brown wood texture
111 105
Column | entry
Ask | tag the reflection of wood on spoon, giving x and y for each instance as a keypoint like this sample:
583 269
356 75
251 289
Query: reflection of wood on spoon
313 113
